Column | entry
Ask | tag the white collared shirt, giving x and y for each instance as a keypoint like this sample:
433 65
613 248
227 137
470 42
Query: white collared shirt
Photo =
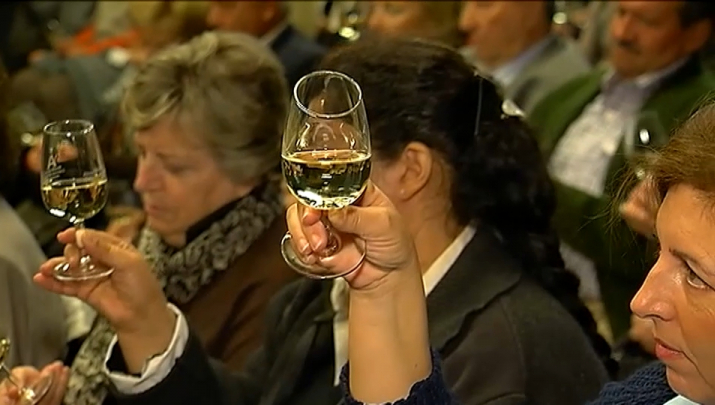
430 279
158 367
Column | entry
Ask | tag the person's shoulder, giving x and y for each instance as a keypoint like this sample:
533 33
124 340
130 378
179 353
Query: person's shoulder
567 54
17 244
547 332
534 312
300 42
579 88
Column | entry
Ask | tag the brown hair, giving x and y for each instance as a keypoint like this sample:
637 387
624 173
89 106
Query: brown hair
689 157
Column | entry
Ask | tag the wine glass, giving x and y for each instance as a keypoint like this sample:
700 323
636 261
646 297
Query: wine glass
73 184
29 395
326 161
647 133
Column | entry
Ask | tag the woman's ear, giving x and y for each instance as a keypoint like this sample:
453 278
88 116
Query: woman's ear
419 162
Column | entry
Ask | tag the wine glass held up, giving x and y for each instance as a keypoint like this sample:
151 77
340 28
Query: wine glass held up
73 184
326 161
27 395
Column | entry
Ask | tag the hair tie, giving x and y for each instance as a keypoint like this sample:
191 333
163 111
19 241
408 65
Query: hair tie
479 102
510 109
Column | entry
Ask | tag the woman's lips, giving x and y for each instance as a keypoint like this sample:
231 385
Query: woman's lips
663 351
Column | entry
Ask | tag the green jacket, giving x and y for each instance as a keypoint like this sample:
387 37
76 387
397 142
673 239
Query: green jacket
590 224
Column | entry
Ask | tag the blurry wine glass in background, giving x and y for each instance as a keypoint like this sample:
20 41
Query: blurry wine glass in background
73 184
645 135
326 160
29 395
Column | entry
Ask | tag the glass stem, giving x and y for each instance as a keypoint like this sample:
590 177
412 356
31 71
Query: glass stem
79 225
334 243
9 378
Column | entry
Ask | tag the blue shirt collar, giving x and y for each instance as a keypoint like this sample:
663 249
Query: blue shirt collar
508 72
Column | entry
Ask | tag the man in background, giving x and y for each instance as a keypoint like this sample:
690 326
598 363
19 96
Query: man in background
268 20
587 129
513 42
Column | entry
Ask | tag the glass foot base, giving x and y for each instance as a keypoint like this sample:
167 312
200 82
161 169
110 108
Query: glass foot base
327 267
85 271
33 394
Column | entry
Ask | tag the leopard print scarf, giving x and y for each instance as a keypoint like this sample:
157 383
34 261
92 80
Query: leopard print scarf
182 273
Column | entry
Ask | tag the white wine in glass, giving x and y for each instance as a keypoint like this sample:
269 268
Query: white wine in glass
326 160
30 395
73 184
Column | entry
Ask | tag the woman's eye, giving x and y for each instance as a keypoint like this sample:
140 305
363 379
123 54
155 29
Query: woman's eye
176 169
693 279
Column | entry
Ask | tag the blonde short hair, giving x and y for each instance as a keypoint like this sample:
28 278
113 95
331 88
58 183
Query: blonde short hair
228 89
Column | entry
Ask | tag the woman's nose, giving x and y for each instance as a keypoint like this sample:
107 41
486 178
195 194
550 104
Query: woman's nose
655 297
144 180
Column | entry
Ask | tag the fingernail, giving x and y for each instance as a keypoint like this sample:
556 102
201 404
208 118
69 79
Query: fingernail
303 246
317 241
80 238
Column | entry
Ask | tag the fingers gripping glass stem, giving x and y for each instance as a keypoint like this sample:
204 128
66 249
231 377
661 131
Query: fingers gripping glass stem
86 268
30 395
334 243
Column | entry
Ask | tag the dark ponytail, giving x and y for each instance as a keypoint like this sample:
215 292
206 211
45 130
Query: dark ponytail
416 91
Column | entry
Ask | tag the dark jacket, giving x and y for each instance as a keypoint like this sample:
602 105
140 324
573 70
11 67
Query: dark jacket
586 223
298 54
648 386
483 310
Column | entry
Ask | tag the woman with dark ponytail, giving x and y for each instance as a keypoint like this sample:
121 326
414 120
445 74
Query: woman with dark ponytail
504 315
454 163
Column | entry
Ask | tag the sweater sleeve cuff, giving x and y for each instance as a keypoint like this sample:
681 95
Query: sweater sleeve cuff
429 391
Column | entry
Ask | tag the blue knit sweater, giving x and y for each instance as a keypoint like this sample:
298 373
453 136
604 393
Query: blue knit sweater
647 386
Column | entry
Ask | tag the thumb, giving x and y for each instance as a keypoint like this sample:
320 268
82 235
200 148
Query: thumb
107 249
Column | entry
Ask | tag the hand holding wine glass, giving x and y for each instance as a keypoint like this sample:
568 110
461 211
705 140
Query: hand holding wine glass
131 298
28 386
326 162
73 184
388 315
374 220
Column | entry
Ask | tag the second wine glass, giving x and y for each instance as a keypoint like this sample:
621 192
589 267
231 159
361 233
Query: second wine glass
73 184
326 162
31 394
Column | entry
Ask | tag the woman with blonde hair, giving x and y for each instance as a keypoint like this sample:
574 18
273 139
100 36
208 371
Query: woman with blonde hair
207 118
